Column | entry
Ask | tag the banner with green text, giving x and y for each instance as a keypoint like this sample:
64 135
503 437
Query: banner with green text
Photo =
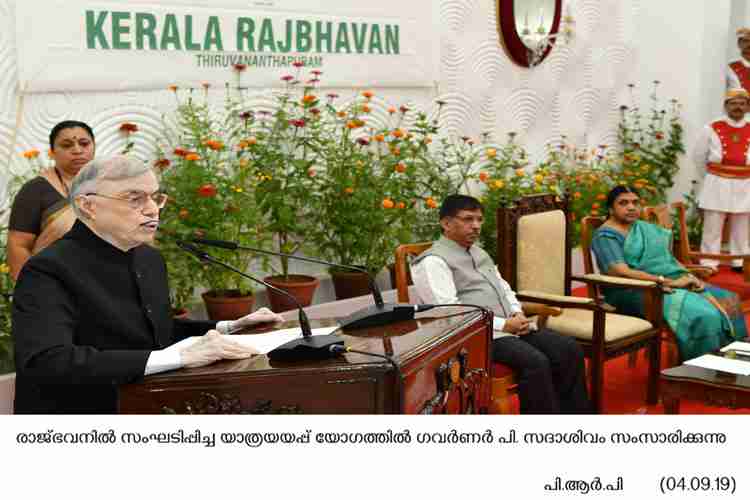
89 45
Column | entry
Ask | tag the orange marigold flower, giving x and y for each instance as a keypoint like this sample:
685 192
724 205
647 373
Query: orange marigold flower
192 157
638 185
128 128
391 110
366 108
173 88
431 203
309 99
483 176
183 213
162 163
595 206
341 114
368 94
400 205
577 195
214 145
379 138
601 196
349 190
206 191
396 151
428 140
388 203
400 167
31 154
520 172
181 152
397 133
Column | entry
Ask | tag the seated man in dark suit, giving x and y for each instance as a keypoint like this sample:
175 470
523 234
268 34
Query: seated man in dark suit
550 367
92 311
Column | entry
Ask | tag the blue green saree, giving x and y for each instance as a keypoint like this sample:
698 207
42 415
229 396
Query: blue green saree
698 324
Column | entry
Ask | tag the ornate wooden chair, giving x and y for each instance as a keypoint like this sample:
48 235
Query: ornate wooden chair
588 226
503 379
534 256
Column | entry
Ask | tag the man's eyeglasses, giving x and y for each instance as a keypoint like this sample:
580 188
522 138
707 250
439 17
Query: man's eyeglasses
138 200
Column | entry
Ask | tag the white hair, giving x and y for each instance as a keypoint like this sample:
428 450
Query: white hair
112 168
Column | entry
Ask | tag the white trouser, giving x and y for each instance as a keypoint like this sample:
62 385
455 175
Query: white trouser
739 237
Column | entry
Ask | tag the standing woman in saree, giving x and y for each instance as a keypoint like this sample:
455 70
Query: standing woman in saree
41 212
703 318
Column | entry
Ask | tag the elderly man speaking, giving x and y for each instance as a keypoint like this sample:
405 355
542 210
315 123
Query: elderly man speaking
92 310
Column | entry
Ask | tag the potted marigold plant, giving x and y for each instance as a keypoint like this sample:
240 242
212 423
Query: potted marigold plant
6 290
210 196
281 149
367 188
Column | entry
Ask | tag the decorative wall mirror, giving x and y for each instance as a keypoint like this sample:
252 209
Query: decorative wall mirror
529 28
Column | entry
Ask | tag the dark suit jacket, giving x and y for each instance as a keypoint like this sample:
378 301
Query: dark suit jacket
86 316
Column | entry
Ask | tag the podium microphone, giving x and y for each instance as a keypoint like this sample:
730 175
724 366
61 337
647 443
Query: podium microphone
376 315
309 346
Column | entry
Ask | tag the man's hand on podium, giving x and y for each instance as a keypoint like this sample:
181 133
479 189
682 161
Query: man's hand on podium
262 315
212 347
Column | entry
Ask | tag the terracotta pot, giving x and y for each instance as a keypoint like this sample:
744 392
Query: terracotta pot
227 304
300 286
348 285
181 313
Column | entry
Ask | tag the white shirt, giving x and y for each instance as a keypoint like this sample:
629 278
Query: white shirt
433 280
719 193
733 81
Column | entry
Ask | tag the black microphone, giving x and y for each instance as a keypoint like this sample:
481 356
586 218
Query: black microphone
375 315
308 347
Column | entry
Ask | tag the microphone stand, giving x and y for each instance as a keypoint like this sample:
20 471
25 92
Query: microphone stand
376 315
309 346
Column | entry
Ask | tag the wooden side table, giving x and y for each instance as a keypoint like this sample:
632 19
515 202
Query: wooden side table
710 387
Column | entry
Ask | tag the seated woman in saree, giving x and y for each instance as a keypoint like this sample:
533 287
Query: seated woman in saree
702 317
41 213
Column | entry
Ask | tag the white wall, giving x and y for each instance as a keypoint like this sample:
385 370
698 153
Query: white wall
575 92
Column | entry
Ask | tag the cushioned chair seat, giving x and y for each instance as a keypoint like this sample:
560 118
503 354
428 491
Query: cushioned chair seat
577 323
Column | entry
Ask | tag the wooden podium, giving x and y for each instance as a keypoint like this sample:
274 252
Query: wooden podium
443 367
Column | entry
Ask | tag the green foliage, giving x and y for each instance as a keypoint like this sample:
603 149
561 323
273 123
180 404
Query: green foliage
210 193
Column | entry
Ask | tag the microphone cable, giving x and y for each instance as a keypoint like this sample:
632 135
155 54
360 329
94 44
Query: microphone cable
339 349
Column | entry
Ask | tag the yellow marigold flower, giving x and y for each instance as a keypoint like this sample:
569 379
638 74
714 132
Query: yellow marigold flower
520 172
538 178
4 268
491 153
642 181
244 162
499 184
31 154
